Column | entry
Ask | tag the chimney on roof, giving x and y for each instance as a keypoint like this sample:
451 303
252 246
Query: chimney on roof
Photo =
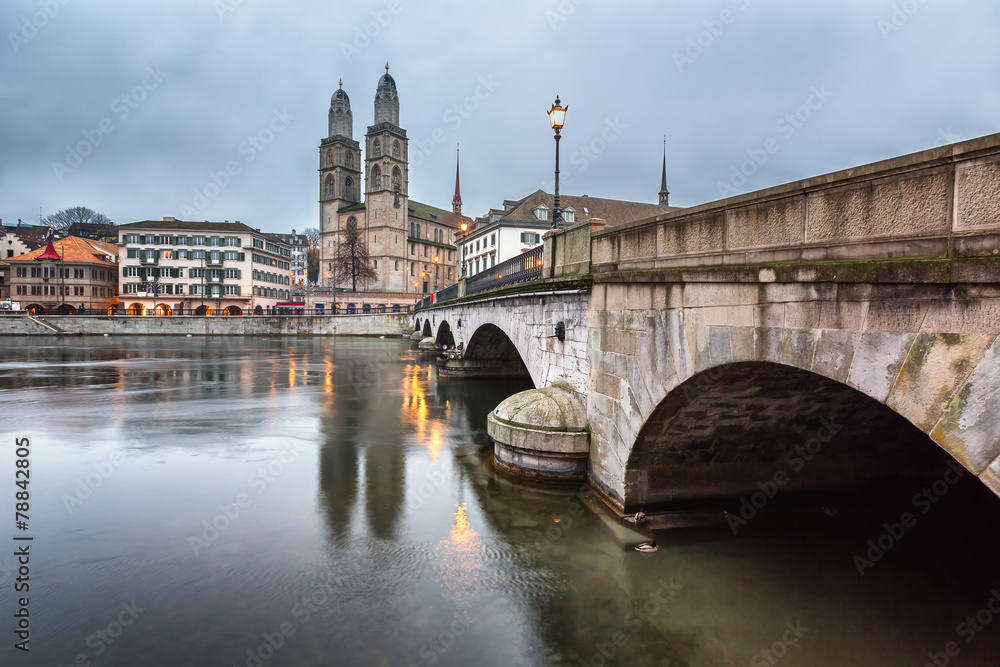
168 219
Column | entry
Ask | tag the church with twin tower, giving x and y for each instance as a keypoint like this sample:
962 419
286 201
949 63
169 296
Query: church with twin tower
412 246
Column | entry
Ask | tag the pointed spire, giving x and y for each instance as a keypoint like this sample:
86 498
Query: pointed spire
456 201
341 83
50 251
664 193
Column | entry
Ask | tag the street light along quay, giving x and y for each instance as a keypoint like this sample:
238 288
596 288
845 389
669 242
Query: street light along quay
557 118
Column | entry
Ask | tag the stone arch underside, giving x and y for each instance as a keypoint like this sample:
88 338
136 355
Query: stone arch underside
491 346
728 429
445 337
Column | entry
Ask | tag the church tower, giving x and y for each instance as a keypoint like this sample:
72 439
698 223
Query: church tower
339 178
387 179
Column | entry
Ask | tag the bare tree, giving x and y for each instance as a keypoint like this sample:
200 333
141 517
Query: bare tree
312 254
66 218
353 263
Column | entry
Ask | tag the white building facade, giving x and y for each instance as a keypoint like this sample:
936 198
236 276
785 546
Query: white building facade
173 267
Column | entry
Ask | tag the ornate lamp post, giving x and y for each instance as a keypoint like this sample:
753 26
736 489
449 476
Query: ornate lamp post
557 118
437 261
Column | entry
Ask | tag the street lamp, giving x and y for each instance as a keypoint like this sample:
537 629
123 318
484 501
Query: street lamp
437 261
557 118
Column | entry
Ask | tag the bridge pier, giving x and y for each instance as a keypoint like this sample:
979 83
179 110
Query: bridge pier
541 434
454 366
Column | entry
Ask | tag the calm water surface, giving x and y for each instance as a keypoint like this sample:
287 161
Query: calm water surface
326 502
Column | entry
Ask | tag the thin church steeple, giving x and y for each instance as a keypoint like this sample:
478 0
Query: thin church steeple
664 193
456 201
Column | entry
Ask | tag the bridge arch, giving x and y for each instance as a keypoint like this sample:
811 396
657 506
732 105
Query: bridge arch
427 332
729 427
445 338
489 343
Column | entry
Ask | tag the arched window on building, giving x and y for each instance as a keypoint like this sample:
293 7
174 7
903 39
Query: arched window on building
349 159
396 177
328 191
376 178
329 156
377 148
411 229
396 265
395 149
418 230
349 189
374 263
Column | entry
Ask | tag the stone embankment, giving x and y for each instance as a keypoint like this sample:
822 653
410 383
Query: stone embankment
394 324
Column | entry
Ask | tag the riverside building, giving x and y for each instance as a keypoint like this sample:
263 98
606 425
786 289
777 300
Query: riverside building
65 277
172 267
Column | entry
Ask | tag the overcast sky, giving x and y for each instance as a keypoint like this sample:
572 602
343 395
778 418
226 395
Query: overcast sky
131 107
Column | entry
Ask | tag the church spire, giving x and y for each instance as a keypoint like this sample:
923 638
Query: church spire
456 201
664 193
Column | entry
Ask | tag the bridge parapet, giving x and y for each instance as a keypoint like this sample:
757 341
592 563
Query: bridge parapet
938 203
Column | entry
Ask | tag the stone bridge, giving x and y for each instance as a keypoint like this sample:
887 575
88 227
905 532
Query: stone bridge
818 334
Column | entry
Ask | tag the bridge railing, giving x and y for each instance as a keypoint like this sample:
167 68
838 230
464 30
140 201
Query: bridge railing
447 293
525 267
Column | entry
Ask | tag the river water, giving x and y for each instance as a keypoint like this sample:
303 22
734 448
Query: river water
251 501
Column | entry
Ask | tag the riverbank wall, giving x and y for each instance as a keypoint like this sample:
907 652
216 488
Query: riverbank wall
393 324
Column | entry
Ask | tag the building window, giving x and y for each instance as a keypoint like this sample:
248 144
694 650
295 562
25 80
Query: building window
329 157
530 237
349 189
395 149
377 178
541 212
418 231
377 148
568 215
328 193
396 265
395 178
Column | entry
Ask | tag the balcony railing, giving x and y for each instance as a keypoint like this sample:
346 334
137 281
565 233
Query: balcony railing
521 269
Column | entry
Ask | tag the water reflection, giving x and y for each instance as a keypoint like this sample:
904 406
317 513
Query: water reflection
390 523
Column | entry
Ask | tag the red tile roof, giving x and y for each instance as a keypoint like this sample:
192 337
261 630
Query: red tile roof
75 250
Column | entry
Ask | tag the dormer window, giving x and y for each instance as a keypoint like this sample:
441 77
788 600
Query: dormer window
568 215
541 212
